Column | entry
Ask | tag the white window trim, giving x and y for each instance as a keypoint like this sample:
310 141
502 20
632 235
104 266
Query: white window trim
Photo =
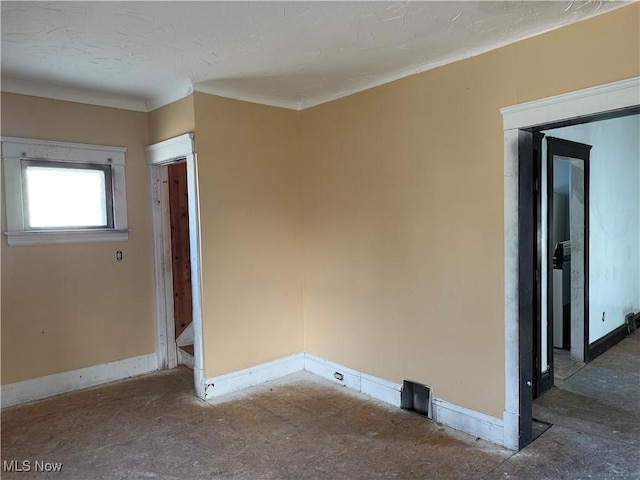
15 149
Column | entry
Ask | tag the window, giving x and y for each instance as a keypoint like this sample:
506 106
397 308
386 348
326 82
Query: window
63 192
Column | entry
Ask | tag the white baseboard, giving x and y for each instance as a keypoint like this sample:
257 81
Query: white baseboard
510 429
328 370
455 416
381 389
43 387
461 418
375 387
469 421
234 381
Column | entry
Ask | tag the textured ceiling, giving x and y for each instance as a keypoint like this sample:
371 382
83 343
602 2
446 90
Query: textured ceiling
141 55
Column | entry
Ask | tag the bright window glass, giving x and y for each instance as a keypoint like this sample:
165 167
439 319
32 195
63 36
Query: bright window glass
66 197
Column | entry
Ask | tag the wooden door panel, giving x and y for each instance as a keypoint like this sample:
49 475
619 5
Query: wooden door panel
180 254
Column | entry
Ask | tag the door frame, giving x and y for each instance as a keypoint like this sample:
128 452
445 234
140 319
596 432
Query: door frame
159 155
581 152
595 103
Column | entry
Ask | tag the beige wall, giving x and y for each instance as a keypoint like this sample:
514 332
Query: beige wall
171 120
72 306
250 219
368 230
403 209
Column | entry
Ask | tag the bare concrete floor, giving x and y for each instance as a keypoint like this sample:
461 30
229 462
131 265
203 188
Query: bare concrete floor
303 427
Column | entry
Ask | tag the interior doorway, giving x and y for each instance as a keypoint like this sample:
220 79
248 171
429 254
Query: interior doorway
561 327
178 223
177 257
606 101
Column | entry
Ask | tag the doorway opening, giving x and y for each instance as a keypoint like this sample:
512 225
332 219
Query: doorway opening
561 320
177 259
178 237
522 303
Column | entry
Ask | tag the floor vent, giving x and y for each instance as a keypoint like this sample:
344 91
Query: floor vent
416 397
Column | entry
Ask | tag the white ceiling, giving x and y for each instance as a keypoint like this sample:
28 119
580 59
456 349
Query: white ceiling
142 55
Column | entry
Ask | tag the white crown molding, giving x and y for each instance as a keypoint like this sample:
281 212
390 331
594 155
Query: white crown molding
68 93
255 98
170 96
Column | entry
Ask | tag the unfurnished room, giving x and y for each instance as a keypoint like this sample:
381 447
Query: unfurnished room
320 240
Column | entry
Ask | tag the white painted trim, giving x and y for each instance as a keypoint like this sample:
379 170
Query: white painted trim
511 291
327 370
184 358
71 93
165 348
468 421
181 148
460 418
582 103
186 337
234 381
15 149
168 151
44 387
381 389
375 387
66 236
170 96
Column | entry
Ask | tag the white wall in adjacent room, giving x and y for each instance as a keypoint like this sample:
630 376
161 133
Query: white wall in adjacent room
614 224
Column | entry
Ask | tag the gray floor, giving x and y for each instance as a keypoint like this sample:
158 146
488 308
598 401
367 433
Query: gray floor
303 427
564 366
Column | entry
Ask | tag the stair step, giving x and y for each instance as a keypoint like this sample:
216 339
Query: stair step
185 356
187 348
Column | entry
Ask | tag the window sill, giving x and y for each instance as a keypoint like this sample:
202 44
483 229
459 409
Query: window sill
66 236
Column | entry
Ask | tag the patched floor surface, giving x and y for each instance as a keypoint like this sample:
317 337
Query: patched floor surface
304 427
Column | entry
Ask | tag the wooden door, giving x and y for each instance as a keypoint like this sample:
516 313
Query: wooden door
180 254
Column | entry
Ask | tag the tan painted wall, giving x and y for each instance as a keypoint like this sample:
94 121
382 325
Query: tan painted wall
71 306
403 209
250 214
385 208
171 120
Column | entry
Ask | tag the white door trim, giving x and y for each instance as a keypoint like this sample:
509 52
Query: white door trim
582 103
163 269
177 149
